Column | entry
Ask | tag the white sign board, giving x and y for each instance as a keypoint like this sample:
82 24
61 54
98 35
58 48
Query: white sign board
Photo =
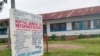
26 34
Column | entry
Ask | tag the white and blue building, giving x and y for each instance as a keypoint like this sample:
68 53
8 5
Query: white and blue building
84 21
70 22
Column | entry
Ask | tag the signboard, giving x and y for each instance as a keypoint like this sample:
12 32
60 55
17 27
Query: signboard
26 34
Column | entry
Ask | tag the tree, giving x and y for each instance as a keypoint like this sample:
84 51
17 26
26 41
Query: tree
1 4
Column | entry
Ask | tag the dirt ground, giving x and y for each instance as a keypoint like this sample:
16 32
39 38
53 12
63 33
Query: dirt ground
2 47
53 46
63 46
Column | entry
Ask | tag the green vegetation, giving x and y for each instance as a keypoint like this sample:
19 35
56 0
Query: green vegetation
53 37
3 40
78 41
57 38
92 48
63 37
81 36
6 52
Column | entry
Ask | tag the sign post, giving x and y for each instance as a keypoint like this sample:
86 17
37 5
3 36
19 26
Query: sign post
26 34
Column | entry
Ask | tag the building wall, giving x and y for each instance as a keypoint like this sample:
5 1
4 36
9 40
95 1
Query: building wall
3 36
69 30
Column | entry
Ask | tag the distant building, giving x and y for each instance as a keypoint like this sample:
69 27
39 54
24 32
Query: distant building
69 23
4 24
73 22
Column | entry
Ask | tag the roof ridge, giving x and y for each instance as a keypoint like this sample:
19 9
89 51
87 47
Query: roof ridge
70 10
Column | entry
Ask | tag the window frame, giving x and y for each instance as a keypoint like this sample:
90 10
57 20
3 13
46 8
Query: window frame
58 26
97 27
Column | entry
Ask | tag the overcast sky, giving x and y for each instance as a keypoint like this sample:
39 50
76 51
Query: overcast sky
46 6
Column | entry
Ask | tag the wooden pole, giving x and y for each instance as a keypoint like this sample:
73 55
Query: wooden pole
9 39
12 3
46 36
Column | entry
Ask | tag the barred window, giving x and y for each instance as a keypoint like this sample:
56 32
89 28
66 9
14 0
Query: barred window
3 31
58 27
81 25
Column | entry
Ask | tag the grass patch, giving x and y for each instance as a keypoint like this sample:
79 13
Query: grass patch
79 41
6 52
91 45
92 48
72 53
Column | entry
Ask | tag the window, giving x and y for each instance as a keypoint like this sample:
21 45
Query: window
76 25
80 25
3 31
58 27
86 24
96 23
62 26
44 29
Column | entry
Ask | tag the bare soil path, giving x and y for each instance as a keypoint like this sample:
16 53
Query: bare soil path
2 47
63 46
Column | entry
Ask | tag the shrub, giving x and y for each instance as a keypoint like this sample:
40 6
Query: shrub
81 36
94 35
98 35
53 37
63 37
3 40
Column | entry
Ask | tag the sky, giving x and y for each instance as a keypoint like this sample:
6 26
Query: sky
47 6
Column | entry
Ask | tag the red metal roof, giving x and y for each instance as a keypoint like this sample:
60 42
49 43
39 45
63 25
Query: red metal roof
69 13
72 13
2 20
